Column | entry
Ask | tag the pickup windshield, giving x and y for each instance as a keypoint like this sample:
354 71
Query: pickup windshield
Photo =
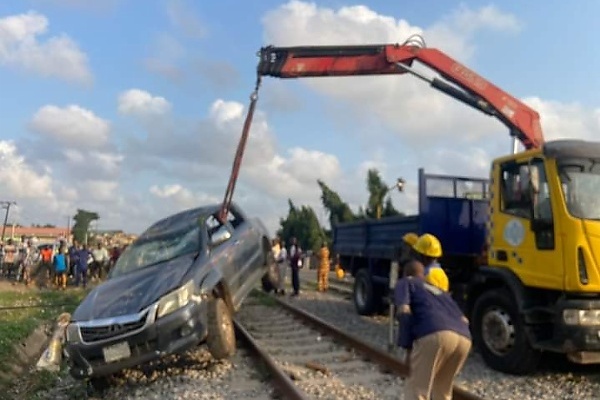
157 247
580 181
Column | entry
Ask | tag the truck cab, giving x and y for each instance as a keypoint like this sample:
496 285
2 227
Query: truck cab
540 288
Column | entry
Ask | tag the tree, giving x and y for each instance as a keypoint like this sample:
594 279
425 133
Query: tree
83 219
389 210
339 211
378 190
303 224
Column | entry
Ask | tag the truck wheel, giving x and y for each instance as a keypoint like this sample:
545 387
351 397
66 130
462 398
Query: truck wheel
221 335
363 293
499 334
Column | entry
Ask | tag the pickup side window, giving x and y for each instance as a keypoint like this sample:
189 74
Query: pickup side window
234 218
217 232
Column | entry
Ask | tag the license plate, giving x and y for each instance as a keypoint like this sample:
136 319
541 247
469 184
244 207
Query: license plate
116 352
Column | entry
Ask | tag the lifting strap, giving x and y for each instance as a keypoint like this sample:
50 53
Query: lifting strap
237 161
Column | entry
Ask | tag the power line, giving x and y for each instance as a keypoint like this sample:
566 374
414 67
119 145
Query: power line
6 205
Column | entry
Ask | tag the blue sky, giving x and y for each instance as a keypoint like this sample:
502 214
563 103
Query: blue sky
133 108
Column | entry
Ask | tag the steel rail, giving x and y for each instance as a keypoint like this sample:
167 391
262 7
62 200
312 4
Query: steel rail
280 379
375 354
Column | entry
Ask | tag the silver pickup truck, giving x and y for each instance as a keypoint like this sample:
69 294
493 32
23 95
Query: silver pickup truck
175 287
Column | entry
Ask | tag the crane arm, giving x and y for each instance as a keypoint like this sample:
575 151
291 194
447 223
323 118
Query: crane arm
457 81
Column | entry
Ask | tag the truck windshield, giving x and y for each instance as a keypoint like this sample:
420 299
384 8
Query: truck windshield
157 248
580 179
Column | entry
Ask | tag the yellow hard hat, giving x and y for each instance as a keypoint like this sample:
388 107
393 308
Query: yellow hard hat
410 238
428 245
339 273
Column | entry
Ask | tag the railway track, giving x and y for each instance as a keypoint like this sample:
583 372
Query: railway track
308 358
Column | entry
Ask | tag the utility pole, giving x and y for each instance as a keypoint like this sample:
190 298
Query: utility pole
6 205
68 235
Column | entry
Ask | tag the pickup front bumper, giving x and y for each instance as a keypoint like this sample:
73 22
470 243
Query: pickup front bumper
97 348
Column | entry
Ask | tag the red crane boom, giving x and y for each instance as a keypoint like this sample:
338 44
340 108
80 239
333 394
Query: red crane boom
457 81
382 59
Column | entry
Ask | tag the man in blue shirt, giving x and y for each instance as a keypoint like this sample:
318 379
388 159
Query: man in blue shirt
434 332
82 257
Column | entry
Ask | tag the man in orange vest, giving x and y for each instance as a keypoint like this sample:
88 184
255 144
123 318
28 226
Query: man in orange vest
323 271
46 255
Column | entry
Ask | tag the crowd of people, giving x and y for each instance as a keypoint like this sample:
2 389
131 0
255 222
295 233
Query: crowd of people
56 264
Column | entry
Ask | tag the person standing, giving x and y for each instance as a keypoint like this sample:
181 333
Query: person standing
100 256
72 259
46 254
295 256
10 258
281 258
428 250
81 265
433 331
323 271
60 268
31 257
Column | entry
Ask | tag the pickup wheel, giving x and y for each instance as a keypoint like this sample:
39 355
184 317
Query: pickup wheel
499 334
365 301
221 335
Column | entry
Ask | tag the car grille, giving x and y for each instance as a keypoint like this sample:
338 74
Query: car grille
97 333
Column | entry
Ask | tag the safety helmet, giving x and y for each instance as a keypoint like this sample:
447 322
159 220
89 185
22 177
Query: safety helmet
428 245
339 273
410 238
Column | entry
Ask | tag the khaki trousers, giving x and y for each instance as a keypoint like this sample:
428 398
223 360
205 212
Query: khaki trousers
435 361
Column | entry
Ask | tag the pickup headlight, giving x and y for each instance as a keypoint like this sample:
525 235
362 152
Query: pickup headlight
72 333
581 317
175 300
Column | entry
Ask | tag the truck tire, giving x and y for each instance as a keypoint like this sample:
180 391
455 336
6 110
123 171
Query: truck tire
270 279
221 335
500 334
363 294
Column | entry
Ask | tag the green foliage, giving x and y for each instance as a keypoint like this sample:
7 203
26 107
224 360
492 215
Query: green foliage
339 211
83 219
378 190
389 210
303 224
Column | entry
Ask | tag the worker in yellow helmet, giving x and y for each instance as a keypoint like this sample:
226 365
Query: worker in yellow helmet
429 250
406 248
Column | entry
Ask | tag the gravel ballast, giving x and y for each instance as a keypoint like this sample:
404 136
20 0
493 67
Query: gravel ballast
556 379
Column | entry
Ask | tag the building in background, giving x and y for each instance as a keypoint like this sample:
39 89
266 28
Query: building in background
39 234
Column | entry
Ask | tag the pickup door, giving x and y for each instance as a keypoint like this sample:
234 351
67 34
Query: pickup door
248 254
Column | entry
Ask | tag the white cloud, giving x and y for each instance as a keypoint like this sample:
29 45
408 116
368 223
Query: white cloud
71 125
18 179
178 162
182 197
100 190
399 102
566 121
58 56
141 103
